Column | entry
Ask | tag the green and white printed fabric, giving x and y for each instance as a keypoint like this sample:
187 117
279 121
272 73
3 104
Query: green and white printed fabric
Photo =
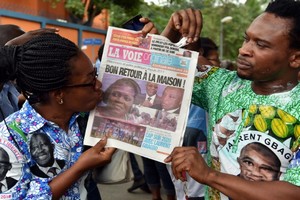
253 136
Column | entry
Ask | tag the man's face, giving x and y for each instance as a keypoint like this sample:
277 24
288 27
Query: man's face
151 89
4 165
172 98
256 167
264 55
41 151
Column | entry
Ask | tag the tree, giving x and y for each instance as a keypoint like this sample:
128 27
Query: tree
83 11
213 11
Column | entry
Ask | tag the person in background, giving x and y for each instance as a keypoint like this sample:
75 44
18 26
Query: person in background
227 64
57 85
210 51
267 77
156 173
8 32
99 57
195 135
9 95
139 180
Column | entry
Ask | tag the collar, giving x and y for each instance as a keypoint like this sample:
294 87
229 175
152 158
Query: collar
46 169
152 97
29 120
172 111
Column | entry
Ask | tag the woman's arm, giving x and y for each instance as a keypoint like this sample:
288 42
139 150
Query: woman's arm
94 157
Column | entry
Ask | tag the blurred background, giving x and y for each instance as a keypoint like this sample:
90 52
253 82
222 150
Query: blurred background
85 21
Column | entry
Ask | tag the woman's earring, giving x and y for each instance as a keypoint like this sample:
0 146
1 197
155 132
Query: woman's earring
61 101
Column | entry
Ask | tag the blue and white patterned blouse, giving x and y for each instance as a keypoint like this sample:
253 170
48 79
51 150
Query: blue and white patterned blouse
23 180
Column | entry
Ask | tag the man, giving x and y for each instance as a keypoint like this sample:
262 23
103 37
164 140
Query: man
171 100
5 182
259 163
150 98
42 150
8 92
267 68
167 113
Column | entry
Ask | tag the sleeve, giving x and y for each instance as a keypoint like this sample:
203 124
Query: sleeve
292 174
204 84
208 87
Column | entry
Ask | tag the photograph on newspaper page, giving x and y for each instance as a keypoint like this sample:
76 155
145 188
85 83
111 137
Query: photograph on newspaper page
147 84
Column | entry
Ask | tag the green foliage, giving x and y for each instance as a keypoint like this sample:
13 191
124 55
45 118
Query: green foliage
76 7
213 11
53 3
119 13
157 14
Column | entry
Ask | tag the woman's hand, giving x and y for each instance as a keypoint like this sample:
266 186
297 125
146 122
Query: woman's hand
96 156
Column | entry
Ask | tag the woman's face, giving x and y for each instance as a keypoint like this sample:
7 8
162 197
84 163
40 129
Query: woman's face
120 100
83 92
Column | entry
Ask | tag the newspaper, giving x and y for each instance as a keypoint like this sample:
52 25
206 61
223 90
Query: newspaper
130 65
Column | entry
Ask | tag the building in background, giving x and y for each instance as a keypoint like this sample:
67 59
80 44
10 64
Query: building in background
35 14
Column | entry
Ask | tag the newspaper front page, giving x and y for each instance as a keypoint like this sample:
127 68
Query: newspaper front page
147 84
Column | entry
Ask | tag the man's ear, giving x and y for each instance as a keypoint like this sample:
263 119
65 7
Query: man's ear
295 59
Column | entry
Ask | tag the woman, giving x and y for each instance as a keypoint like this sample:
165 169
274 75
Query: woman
119 98
58 81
